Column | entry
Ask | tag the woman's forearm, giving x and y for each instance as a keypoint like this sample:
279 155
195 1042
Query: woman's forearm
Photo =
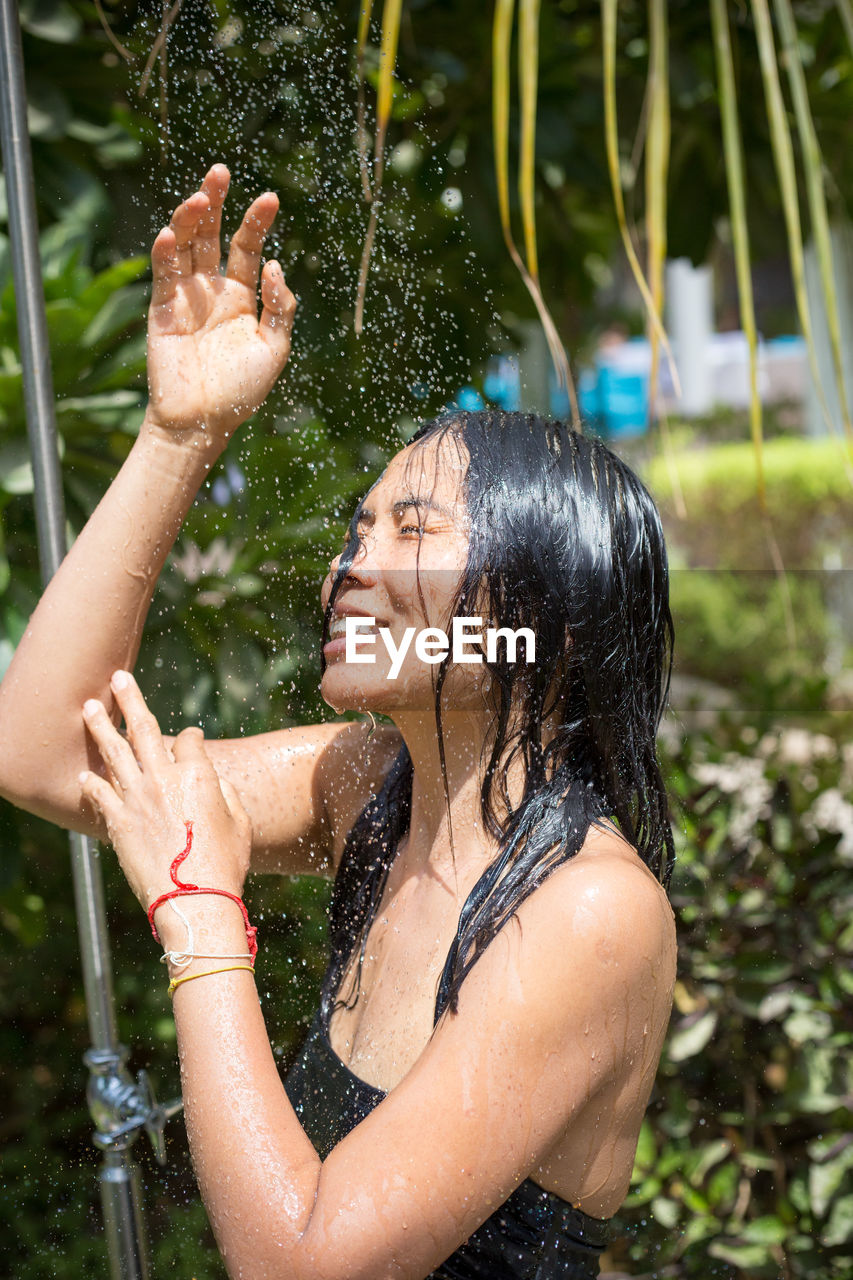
211 362
89 622
257 1170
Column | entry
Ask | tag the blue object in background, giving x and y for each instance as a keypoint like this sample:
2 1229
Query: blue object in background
468 400
561 405
624 399
613 396
501 383
589 397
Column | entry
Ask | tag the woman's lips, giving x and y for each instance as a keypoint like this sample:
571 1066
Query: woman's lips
335 646
339 644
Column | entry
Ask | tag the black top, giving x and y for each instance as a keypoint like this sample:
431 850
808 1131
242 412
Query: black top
533 1235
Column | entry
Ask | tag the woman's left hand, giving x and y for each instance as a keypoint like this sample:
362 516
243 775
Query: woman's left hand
153 791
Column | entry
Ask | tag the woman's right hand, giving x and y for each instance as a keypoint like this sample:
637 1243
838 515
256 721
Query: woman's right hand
211 362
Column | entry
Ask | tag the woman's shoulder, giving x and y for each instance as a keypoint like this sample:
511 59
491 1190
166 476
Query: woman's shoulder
606 850
606 895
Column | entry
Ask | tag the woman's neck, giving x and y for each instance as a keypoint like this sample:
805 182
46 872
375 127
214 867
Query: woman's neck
428 844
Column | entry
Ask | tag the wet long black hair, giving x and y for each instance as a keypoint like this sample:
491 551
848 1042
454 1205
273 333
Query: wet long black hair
566 540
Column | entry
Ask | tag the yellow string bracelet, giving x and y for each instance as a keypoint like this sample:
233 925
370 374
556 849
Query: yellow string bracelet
206 973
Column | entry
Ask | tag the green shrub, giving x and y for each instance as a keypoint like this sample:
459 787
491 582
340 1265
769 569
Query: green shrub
744 1163
809 484
763 607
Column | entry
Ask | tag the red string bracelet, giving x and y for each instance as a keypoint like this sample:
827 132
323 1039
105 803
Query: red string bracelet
184 889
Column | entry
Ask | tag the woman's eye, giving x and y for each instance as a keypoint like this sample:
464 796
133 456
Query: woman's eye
413 528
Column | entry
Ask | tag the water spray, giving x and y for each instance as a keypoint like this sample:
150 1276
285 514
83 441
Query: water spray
120 1107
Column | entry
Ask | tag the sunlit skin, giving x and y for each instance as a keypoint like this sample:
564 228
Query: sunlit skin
547 1068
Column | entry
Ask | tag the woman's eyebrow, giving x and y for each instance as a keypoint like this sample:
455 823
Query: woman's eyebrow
410 500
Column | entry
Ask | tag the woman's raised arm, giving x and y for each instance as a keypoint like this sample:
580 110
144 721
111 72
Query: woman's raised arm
211 362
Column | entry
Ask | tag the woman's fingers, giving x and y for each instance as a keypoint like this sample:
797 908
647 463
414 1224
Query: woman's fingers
205 246
116 753
185 225
235 806
279 307
143 731
188 747
171 253
100 795
244 255
165 268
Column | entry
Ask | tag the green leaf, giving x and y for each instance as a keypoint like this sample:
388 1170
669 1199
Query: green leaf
691 1036
806 1025
646 1147
775 1004
741 1255
765 1230
98 403
16 472
122 309
101 290
53 20
840 1227
711 1154
666 1211
825 1178
48 111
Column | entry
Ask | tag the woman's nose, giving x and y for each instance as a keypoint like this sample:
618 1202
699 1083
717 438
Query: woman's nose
361 566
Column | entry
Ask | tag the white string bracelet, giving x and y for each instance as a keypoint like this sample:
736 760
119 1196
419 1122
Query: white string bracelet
180 959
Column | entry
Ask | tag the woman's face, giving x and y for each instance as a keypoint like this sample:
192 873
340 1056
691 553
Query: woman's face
413 531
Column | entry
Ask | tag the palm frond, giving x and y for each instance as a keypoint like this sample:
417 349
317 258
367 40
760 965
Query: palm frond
611 135
501 97
501 41
845 9
528 80
361 105
783 155
733 156
391 15
813 171
657 145
656 170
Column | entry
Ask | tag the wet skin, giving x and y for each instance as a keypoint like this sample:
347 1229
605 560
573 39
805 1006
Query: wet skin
380 1039
547 1067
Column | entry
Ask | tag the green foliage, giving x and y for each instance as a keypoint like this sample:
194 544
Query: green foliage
743 1161
732 629
808 497
743 1167
774 639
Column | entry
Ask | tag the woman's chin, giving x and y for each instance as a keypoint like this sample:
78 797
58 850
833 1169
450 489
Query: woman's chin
346 690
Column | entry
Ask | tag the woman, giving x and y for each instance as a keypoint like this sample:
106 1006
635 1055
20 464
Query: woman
469 1098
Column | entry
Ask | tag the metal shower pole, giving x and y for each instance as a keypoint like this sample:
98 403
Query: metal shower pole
119 1106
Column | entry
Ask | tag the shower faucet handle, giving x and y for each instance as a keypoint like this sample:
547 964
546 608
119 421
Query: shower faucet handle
121 1106
157 1115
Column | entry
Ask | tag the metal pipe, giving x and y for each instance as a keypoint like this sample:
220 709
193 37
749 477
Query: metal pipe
32 325
119 1106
